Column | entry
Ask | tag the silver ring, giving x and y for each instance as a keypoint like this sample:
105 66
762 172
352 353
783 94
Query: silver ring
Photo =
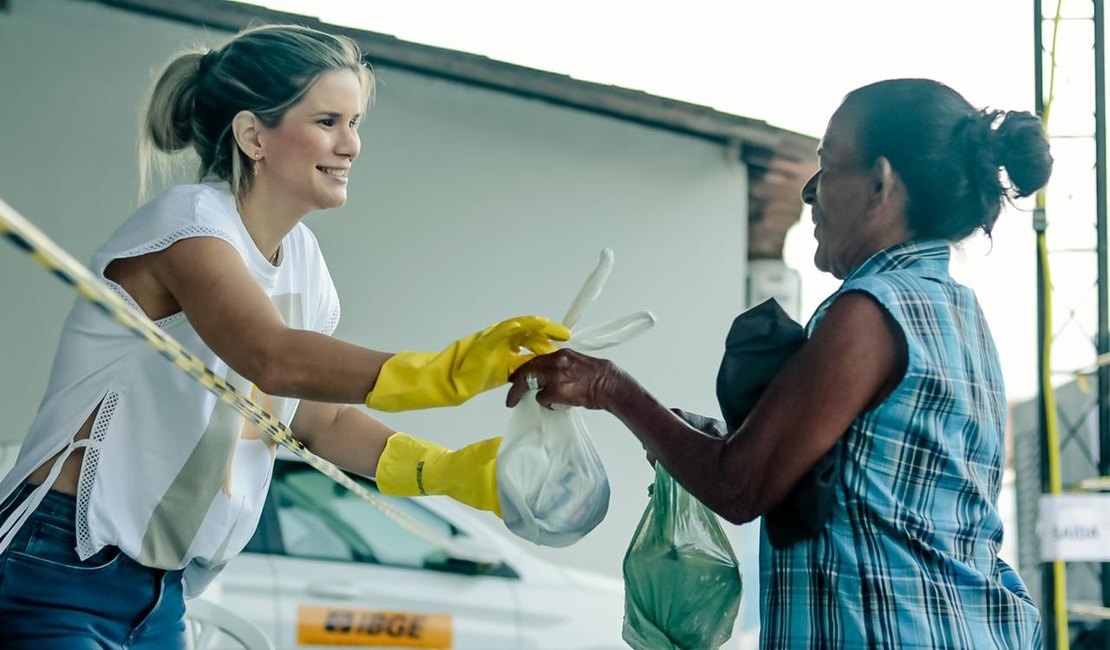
533 383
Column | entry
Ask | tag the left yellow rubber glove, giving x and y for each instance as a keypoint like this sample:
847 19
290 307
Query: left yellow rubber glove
412 467
471 365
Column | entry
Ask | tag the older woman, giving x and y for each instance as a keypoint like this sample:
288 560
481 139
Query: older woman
899 380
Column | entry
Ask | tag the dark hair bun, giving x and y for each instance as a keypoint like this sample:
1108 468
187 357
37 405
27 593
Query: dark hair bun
1021 149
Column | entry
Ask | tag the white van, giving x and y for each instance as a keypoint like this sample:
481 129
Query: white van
326 569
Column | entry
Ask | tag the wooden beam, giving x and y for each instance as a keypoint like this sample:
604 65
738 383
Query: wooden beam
775 204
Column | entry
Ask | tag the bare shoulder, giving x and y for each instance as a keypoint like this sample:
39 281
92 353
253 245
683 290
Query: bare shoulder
153 280
859 334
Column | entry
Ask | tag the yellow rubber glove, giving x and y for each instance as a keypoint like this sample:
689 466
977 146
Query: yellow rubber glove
413 467
475 364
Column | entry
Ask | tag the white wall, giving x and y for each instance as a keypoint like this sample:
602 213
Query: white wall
466 206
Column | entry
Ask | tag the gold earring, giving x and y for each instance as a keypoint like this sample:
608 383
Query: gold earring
254 167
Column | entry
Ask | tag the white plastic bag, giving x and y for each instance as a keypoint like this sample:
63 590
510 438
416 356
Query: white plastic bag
551 482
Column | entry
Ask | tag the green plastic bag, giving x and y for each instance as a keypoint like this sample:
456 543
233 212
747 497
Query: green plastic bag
682 582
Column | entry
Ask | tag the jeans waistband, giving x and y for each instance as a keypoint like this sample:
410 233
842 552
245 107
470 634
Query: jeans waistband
55 502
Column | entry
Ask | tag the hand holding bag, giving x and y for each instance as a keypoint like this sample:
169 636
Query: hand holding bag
550 480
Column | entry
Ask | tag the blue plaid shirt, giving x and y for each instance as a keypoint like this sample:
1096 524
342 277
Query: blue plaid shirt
909 558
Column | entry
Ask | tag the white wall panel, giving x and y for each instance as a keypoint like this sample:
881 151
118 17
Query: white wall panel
466 206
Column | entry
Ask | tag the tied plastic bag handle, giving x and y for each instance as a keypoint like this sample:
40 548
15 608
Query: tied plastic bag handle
591 289
609 333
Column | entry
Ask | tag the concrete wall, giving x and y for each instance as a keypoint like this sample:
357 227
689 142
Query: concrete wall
466 206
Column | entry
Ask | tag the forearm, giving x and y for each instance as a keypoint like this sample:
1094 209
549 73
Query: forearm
402 464
740 477
348 437
208 280
703 464
310 365
850 364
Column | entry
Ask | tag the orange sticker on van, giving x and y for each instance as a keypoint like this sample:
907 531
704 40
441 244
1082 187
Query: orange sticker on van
372 628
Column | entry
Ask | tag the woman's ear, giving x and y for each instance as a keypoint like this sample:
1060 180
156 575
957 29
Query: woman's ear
882 181
888 195
247 131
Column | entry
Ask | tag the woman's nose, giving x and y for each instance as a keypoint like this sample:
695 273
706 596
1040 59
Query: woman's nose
350 144
809 190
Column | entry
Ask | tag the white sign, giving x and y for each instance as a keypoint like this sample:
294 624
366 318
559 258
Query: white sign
1075 527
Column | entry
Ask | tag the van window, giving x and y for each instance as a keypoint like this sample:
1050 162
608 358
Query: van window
320 519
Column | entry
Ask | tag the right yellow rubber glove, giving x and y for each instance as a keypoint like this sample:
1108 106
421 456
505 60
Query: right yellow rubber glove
412 467
472 365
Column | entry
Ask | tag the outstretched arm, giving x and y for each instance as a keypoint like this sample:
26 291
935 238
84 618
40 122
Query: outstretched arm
342 434
206 279
209 281
854 360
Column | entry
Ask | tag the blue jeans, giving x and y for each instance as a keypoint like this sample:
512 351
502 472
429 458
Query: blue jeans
51 600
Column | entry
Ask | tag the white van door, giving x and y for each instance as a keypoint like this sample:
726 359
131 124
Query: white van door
246 588
347 575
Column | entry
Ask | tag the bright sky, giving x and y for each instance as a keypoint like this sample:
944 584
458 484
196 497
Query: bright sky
789 62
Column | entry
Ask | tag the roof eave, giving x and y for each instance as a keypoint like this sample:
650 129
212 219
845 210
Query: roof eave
475 70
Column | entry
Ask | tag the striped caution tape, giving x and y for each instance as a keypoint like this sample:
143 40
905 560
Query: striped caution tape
21 232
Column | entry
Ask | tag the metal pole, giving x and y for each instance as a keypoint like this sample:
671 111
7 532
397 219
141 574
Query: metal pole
1048 580
1103 334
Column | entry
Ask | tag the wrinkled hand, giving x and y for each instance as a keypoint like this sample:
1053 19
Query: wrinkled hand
567 377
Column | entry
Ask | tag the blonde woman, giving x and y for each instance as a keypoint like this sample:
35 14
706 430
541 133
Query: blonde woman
134 486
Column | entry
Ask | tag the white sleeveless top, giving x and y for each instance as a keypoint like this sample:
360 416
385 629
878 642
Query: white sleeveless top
171 475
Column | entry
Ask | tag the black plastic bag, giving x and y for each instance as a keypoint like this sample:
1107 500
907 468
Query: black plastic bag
759 343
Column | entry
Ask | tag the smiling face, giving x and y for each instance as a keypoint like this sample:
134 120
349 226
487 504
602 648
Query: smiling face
856 210
307 157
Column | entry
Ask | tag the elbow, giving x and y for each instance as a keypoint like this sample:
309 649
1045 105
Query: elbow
737 517
740 503
754 501
749 485
728 505
266 367
272 382
738 513
276 378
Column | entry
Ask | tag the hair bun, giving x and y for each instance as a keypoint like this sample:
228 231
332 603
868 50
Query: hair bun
1021 149
169 119
207 60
